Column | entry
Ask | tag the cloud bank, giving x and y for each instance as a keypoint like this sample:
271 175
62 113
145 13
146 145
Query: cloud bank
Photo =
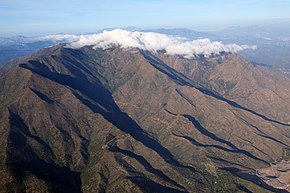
154 42
58 38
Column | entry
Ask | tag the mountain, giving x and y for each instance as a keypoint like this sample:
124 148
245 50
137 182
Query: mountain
272 41
19 46
9 52
129 120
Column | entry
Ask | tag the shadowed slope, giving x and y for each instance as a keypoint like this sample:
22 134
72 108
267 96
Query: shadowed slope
99 100
93 120
184 81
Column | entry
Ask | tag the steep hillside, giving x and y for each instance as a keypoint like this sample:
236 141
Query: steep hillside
128 120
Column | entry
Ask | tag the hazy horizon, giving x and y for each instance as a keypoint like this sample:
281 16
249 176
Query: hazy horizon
279 23
33 17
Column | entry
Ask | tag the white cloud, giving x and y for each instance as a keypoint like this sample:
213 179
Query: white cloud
172 45
58 38
150 41
156 42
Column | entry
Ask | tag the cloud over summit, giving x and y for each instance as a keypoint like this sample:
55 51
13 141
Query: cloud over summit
154 42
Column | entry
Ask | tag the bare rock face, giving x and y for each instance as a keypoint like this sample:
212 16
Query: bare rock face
93 120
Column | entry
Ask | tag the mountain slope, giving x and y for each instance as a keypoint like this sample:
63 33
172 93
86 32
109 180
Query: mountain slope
115 120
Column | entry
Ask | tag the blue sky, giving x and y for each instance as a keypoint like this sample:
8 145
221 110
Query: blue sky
34 17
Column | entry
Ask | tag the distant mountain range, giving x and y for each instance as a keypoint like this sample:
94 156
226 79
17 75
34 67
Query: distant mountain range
273 43
89 119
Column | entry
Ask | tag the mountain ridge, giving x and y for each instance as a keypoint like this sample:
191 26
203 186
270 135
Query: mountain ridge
128 118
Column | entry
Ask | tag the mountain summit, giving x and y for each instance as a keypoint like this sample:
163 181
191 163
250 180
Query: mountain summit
89 119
